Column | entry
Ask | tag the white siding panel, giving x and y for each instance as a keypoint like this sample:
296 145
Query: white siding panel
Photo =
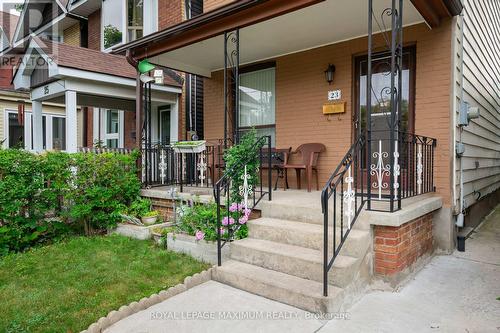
481 161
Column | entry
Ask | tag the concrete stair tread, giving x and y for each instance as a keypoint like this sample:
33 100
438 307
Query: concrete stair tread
299 252
303 227
299 285
299 292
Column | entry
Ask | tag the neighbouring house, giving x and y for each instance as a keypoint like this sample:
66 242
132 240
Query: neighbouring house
404 95
15 106
59 54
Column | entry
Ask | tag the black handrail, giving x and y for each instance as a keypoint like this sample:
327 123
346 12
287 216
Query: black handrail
223 185
414 176
350 165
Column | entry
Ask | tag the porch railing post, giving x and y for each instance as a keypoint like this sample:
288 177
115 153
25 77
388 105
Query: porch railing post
401 145
270 170
150 147
392 127
225 90
369 106
324 204
237 89
219 250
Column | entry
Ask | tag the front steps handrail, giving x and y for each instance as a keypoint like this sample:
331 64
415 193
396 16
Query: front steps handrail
223 187
347 182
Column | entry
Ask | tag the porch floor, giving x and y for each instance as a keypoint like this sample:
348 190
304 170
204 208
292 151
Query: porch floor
309 203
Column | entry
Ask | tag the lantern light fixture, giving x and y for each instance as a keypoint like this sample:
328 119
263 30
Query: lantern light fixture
329 73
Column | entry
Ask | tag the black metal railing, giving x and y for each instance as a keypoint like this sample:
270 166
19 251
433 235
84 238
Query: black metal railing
162 166
405 173
342 199
416 165
361 179
224 188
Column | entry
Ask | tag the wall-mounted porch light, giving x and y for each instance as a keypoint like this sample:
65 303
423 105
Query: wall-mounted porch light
146 78
329 73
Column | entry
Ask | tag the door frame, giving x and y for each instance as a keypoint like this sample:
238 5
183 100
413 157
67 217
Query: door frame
356 59
160 109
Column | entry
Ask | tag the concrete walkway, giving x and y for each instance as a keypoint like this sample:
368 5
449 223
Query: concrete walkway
456 293
215 307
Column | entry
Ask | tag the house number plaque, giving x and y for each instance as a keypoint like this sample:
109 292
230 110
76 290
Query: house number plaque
334 95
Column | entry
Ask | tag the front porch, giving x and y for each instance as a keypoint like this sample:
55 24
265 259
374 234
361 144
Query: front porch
361 83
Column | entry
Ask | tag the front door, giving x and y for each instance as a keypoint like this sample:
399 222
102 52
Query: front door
165 122
380 99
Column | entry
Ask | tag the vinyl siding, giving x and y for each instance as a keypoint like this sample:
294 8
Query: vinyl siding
481 85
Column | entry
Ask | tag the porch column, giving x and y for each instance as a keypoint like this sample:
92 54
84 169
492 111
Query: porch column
37 126
71 122
138 108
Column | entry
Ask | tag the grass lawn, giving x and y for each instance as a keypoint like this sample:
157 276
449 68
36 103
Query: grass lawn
66 286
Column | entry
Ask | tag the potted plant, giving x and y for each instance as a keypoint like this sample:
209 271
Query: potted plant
189 146
150 217
141 208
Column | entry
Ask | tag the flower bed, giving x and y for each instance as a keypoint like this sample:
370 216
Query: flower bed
200 220
196 232
203 250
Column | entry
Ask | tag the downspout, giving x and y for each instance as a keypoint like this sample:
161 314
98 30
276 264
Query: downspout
460 217
138 100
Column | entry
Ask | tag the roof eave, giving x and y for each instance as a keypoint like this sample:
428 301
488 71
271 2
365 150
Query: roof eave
434 12
226 18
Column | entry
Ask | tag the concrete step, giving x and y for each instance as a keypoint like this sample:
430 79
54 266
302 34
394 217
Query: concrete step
307 235
307 213
294 260
281 287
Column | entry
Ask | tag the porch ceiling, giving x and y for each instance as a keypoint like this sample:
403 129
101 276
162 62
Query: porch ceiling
327 22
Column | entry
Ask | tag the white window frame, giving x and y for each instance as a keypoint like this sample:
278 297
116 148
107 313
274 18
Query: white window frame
28 119
100 127
149 24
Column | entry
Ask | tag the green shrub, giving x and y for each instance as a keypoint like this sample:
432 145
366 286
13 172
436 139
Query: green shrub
32 188
45 197
102 185
139 207
246 152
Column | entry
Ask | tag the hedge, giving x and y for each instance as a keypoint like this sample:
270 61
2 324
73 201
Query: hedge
47 196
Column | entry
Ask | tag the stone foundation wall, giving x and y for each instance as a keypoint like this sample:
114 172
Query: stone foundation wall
397 248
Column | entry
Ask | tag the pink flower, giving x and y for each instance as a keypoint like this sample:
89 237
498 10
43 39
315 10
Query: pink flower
222 231
234 207
243 219
227 220
199 235
247 212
